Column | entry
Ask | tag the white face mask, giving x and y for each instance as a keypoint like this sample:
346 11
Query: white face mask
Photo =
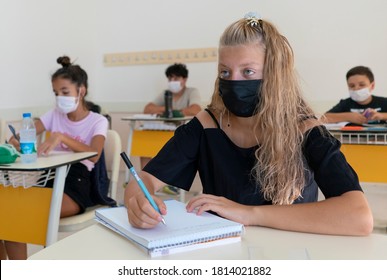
174 86
360 95
67 104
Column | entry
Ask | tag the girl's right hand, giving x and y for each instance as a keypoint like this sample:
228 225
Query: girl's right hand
141 214
14 142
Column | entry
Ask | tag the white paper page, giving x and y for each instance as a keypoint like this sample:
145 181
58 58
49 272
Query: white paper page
335 125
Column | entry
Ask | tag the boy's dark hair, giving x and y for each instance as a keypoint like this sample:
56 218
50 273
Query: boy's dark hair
177 69
361 70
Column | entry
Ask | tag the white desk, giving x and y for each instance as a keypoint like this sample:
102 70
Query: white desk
60 162
147 142
135 119
98 242
365 150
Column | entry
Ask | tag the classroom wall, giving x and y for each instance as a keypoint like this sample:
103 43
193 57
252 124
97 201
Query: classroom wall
328 38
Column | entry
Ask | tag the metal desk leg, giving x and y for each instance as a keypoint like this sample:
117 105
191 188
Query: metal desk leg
182 195
56 204
132 125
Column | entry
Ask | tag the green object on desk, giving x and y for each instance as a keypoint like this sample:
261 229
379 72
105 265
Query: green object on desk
8 154
176 114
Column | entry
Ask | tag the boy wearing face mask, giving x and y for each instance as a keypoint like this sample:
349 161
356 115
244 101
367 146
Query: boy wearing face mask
185 99
361 107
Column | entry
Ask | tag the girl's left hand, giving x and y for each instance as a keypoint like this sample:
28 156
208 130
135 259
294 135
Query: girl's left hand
48 145
222 206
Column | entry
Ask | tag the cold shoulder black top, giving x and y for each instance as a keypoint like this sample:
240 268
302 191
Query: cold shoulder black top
225 169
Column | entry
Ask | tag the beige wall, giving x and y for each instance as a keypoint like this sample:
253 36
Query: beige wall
328 37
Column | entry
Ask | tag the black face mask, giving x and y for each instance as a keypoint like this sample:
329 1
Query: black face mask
240 97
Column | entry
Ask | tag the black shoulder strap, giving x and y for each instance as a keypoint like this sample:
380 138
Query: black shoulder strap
213 117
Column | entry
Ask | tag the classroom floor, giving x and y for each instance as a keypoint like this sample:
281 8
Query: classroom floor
376 195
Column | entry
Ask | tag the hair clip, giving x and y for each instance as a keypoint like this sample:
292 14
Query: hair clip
253 19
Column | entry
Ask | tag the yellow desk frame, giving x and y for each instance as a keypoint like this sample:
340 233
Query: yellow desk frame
147 143
369 161
24 214
31 214
366 152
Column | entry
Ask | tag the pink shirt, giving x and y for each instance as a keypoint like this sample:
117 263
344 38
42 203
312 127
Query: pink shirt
82 131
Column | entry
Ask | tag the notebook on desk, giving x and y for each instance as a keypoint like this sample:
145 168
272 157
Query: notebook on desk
158 126
365 129
183 231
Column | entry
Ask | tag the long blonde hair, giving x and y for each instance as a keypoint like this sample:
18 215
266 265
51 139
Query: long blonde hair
279 168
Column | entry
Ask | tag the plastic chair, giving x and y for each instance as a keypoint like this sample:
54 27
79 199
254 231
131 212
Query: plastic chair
3 134
112 150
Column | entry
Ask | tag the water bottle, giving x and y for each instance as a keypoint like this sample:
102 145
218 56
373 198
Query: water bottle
28 139
168 104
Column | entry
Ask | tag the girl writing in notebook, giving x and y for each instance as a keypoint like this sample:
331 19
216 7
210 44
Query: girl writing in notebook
72 127
260 151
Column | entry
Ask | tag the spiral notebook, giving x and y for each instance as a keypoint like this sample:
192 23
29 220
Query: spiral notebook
182 232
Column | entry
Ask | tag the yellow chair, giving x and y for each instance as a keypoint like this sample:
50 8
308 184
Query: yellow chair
112 150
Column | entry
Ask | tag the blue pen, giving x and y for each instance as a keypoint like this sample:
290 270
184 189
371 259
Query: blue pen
13 132
140 183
